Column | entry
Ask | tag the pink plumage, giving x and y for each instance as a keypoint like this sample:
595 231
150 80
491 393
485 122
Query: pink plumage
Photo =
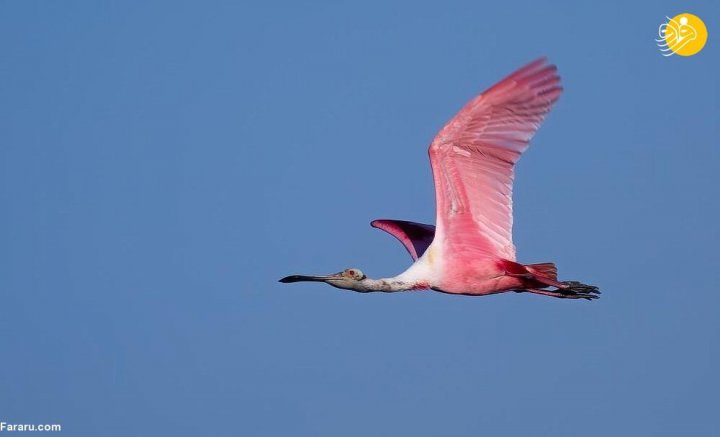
470 250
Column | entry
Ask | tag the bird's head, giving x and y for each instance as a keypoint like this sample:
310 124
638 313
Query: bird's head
349 279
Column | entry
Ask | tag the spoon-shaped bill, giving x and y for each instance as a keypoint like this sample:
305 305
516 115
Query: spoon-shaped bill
307 278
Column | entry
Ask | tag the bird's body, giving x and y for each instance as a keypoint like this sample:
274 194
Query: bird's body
477 276
469 274
470 250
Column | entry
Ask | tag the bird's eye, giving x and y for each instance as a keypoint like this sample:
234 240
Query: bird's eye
354 274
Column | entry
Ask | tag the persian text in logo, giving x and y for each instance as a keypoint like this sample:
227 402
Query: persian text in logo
684 34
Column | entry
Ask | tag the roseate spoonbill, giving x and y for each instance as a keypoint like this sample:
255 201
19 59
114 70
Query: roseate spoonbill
470 250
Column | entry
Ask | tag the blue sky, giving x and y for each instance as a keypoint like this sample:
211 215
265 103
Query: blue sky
162 164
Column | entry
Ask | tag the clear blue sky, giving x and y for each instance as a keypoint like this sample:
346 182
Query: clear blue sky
162 164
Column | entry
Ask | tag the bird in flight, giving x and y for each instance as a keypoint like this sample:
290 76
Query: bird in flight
470 250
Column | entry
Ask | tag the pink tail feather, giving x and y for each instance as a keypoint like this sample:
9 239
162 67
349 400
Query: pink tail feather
547 270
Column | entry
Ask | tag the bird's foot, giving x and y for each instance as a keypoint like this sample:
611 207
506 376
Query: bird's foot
578 290
571 290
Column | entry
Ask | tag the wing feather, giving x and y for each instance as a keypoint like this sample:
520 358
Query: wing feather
474 155
416 237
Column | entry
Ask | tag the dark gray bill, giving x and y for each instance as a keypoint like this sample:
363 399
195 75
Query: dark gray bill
300 278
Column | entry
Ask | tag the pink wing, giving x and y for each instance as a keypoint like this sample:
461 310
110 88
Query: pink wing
473 159
416 237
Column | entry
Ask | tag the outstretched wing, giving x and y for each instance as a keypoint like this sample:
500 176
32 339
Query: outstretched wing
416 237
473 159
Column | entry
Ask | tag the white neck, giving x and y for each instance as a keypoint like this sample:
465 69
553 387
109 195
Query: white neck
386 285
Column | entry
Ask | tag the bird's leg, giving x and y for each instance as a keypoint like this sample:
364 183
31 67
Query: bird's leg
579 291
551 293
566 289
